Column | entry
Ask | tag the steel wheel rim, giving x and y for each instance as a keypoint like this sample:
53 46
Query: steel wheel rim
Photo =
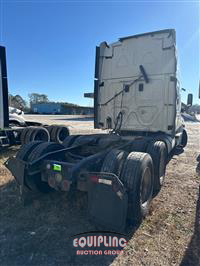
146 187
162 168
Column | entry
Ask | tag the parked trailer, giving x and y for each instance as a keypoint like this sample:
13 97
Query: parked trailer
14 129
137 97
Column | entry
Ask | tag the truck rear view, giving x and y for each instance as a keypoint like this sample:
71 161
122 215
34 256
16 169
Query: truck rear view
137 97
136 87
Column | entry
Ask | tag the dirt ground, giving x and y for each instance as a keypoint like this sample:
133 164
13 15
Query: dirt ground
39 233
77 124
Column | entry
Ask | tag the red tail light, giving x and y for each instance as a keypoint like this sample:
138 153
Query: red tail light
94 178
65 185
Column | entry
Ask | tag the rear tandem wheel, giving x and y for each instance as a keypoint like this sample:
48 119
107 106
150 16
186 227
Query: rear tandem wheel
158 152
35 182
137 177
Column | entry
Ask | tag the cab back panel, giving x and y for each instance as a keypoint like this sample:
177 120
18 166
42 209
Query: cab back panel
122 87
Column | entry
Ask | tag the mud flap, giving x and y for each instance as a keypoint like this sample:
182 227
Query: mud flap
17 168
107 201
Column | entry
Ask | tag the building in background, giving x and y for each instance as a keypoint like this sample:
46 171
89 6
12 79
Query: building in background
61 108
46 108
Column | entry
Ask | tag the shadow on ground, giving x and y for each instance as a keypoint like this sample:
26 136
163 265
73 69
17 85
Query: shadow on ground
192 253
40 232
81 119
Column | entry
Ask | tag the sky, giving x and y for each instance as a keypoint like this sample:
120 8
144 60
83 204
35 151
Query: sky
50 45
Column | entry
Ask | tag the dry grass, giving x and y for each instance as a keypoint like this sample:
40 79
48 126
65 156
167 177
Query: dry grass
38 234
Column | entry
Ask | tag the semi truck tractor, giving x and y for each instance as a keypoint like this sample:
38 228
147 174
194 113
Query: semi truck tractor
137 99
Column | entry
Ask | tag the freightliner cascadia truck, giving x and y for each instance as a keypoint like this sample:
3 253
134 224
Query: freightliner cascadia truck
137 99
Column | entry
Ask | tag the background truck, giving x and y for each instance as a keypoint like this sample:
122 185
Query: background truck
137 98
14 129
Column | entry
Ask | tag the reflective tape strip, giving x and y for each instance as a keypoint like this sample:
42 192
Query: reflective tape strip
120 194
105 181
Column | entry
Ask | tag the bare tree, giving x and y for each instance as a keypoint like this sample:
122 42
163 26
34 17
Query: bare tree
38 98
17 102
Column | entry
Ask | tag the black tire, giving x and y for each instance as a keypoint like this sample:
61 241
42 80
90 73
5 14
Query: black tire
137 169
158 153
184 139
40 133
35 182
69 141
23 135
50 128
59 134
28 137
43 148
25 151
53 134
113 162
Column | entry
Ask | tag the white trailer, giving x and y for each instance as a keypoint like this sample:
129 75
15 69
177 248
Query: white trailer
136 97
